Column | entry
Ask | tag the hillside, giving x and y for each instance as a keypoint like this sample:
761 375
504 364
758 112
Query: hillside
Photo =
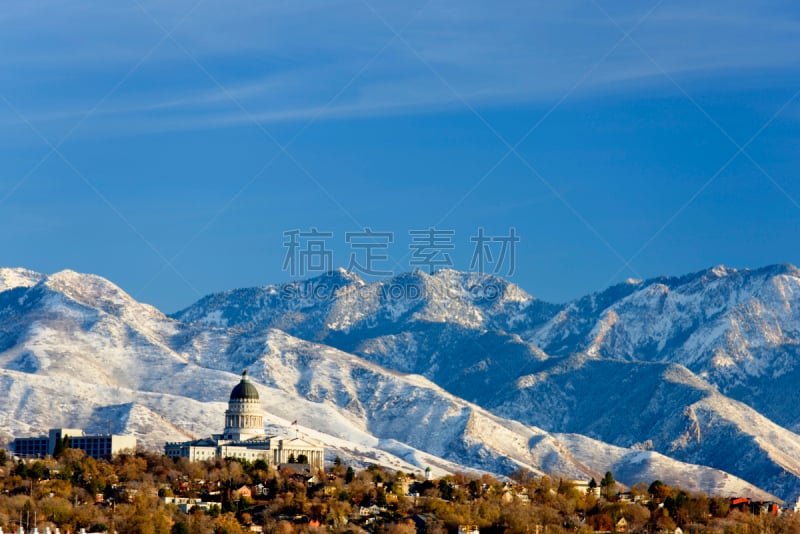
444 379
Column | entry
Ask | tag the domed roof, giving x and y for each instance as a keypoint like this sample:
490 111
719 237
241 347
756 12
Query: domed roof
244 389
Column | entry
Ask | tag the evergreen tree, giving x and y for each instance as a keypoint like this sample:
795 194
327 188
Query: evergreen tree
655 487
21 469
608 483
58 449
37 471
292 459
445 491
302 459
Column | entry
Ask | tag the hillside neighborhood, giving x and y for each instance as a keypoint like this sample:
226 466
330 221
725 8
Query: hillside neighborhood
67 481
153 494
243 480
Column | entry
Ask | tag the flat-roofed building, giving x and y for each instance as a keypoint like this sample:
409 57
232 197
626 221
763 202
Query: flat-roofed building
97 446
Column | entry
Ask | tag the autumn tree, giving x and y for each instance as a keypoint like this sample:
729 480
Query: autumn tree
521 476
402 527
659 491
637 517
227 524
719 506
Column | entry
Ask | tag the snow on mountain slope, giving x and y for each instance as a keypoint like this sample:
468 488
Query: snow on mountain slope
37 403
83 316
633 464
80 352
442 326
663 407
394 406
340 302
296 305
739 330
735 330
18 277
687 317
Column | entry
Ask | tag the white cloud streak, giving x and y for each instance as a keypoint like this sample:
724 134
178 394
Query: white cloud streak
285 60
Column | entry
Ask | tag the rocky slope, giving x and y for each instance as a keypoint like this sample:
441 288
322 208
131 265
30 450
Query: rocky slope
701 367
447 378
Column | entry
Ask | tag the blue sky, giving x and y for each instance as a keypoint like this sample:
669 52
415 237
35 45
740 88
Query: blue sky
169 146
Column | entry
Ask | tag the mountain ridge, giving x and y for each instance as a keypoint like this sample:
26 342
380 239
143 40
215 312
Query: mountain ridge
732 330
374 365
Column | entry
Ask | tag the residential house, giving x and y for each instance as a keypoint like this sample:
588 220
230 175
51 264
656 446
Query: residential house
242 492
373 510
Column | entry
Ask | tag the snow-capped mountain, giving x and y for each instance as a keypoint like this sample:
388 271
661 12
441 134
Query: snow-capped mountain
17 277
421 370
739 330
673 363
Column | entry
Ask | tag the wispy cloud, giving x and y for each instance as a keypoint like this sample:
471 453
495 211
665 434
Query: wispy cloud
285 60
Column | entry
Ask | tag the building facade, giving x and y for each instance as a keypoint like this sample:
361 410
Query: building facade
97 446
244 436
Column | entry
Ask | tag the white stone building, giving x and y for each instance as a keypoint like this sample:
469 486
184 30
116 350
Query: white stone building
185 504
244 436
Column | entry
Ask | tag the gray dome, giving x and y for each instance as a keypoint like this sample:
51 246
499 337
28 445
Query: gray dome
244 389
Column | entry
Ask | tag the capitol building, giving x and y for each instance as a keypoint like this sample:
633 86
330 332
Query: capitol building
244 436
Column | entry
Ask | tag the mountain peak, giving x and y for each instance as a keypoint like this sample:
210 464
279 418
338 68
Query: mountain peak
339 276
12 277
721 271
69 281
777 269
96 292
781 269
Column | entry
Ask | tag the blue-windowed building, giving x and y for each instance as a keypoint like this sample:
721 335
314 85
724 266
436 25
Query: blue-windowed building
97 446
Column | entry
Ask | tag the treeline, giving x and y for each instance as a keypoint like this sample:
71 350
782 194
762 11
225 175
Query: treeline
126 495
